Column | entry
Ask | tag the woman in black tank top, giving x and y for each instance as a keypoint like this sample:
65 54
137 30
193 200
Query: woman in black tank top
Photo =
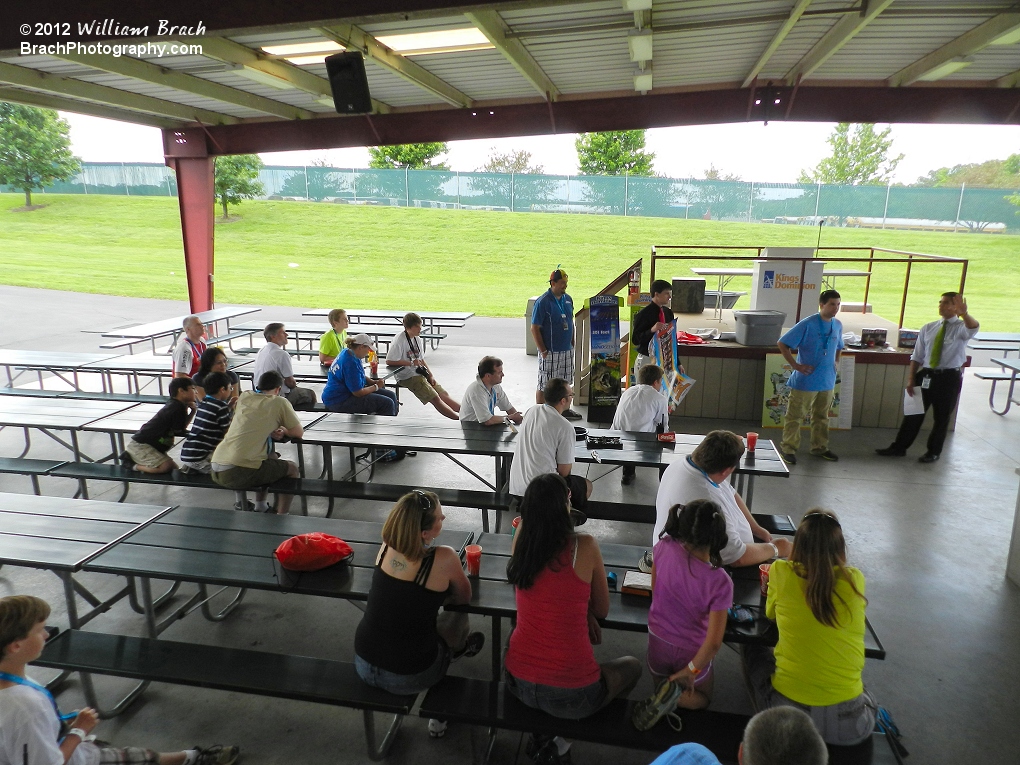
404 644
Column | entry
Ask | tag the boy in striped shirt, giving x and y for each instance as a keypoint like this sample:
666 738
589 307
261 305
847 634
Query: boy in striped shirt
210 425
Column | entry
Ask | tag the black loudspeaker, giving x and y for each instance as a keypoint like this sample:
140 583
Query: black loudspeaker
349 83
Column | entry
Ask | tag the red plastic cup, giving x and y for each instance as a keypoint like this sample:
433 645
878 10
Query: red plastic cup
374 367
513 526
752 441
473 557
763 577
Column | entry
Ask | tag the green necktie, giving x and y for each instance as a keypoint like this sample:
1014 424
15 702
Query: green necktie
936 347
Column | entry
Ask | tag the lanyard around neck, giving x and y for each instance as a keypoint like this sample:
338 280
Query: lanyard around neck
18 680
702 471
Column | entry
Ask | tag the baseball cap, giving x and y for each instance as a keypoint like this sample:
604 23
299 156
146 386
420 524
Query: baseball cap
363 339
556 275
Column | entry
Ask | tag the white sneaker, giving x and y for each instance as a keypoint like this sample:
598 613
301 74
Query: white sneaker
437 728
645 564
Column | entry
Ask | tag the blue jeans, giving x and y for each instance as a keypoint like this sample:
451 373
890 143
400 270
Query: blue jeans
566 703
382 402
404 685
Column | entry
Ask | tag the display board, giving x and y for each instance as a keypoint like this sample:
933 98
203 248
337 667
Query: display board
777 393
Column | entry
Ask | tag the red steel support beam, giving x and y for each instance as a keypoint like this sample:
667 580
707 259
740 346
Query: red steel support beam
185 152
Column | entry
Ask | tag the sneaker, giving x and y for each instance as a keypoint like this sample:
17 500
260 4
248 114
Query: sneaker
437 728
536 743
891 451
217 755
648 712
827 455
645 564
249 506
789 459
628 476
544 751
126 460
928 457
570 414
472 647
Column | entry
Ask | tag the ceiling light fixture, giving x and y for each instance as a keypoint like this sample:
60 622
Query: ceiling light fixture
442 41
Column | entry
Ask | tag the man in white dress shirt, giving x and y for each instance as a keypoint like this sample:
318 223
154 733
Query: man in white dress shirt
643 407
936 367
485 395
273 357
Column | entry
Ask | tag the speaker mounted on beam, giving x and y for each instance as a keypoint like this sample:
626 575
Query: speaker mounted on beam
349 83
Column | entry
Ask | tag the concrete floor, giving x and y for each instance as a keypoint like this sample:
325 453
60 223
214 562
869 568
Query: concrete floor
931 539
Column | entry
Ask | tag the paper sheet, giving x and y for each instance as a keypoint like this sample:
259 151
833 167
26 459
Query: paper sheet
912 404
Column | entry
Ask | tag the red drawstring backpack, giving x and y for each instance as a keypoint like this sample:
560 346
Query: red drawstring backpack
311 552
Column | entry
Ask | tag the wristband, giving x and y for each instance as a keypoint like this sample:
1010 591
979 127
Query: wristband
79 733
774 549
693 670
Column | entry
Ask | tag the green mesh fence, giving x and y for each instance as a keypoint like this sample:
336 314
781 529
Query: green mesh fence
894 207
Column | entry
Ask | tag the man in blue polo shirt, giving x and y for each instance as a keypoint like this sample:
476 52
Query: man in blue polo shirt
817 341
552 326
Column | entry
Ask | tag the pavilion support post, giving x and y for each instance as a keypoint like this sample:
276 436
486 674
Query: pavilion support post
198 204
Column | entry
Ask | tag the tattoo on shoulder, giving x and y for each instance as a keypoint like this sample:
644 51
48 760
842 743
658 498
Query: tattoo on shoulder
398 565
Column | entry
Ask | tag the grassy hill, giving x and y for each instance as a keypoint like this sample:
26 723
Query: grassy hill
314 254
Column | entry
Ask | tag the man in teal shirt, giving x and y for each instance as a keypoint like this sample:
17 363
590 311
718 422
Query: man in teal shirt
817 341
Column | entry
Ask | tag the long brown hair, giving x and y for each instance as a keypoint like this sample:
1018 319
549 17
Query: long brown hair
414 513
819 555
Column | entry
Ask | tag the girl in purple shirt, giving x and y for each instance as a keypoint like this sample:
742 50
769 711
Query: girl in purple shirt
690 596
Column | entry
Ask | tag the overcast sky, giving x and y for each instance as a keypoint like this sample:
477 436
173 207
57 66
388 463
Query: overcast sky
775 152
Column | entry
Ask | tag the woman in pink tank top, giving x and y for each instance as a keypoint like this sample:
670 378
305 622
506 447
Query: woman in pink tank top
561 593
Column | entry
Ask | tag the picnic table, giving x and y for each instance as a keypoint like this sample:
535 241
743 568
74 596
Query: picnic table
309 332
153 330
133 367
431 320
55 362
47 415
1010 369
498 442
725 275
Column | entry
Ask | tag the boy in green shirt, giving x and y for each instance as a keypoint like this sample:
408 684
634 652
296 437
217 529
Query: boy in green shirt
331 343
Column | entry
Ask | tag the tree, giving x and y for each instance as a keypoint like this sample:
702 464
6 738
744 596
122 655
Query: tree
35 149
237 179
317 181
617 152
515 161
858 157
722 195
993 174
412 156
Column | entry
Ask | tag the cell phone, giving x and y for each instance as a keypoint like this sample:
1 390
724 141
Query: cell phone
740 615
611 580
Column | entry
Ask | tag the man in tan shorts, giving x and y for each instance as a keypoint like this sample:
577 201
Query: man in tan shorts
407 356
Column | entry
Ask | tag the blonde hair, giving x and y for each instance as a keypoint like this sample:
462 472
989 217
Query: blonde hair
18 615
407 520
336 314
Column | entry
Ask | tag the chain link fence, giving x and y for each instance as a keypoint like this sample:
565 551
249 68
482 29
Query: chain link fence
888 207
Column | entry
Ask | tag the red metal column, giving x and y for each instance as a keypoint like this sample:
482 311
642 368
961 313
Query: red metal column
186 153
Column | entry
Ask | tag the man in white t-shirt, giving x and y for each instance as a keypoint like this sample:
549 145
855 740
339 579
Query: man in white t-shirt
546 445
189 349
642 408
704 475
273 357
485 395
407 356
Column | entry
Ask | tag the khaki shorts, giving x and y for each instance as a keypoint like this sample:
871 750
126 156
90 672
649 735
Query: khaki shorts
268 472
145 455
421 388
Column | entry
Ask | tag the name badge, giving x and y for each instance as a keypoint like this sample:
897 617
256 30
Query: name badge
926 383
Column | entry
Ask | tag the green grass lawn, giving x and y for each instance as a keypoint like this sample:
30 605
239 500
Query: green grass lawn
486 262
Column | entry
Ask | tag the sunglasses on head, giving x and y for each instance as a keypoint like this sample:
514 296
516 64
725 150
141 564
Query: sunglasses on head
818 514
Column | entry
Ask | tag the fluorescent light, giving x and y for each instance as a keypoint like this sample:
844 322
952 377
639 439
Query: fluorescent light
322 46
443 41
946 69
643 81
263 78
1007 38
307 60
640 44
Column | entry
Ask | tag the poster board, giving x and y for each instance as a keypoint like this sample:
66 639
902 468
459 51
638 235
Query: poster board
604 335
634 309
664 353
777 393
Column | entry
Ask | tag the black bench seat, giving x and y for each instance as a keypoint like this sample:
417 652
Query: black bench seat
638 513
299 678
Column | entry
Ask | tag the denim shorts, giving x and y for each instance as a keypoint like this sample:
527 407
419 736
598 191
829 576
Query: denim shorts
404 685
566 703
